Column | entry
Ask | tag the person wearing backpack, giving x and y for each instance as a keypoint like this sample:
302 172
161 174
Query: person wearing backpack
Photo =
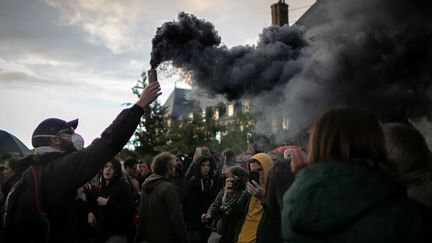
39 207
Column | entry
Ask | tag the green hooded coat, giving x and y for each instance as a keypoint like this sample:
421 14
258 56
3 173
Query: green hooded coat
351 202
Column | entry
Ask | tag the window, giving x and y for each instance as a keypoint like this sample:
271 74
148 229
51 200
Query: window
216 114
230 110
285 123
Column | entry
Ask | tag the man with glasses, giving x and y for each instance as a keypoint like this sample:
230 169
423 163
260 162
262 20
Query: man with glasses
64 165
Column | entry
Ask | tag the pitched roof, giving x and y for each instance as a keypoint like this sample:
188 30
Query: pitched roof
181 102
178 103
316 15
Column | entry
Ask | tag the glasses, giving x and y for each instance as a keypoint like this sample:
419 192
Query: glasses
69 131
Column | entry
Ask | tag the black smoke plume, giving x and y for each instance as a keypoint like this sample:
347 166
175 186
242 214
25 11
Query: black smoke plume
372 54
194 45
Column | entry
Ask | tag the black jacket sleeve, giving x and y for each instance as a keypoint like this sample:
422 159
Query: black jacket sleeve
77 168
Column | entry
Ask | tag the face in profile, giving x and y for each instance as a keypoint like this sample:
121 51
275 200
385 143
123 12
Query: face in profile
7 172
143 168
178 163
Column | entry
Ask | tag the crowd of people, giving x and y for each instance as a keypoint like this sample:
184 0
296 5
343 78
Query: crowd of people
356 180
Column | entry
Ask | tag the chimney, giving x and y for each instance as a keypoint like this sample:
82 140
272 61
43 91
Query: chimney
279 13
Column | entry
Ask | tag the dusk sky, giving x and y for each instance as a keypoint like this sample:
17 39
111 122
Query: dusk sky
80 58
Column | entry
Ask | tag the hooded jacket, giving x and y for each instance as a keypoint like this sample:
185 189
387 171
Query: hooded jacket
160 212
199 195
254 209
351 202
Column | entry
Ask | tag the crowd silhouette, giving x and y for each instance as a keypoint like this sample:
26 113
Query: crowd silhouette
356 180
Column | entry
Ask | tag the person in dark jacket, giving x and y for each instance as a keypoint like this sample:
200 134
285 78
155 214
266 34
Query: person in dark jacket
200 193
343 195
179 178
144 172
131 173
199 151
84 230
228 159
160 212
113 205
279 179
64 167
10 174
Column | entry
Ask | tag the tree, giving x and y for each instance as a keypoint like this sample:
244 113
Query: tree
150 135
186 134
242 132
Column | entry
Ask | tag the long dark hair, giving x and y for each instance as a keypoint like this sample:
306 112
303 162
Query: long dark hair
118 173
280 179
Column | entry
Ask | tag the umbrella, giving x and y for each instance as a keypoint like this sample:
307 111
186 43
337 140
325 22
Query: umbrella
281 149
11 144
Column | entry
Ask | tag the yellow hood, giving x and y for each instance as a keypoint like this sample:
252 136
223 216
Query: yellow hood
266 163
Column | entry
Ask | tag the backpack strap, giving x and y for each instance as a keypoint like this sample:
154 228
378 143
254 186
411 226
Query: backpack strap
36 189
43 216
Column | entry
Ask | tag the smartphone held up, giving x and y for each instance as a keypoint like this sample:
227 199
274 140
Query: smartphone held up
254 176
